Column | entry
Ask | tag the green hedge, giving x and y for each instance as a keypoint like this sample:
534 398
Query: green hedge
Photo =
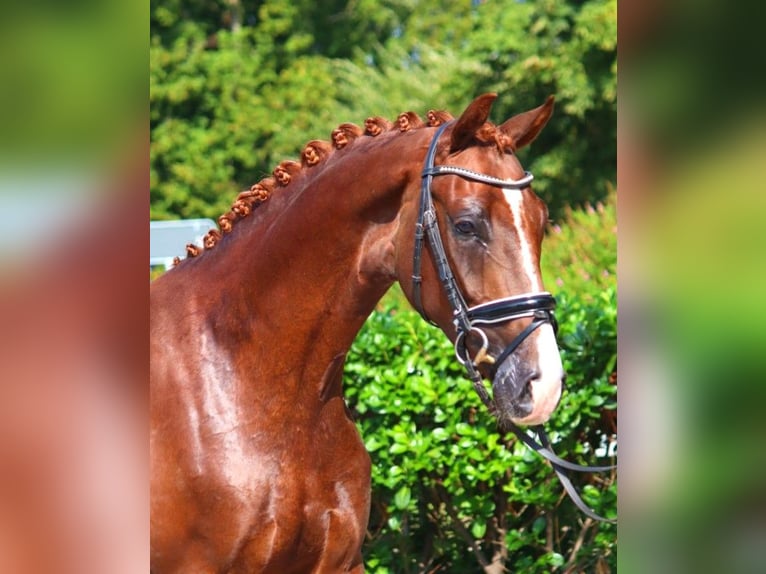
580 250
449 492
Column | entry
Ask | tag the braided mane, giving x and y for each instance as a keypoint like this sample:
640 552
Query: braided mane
315 152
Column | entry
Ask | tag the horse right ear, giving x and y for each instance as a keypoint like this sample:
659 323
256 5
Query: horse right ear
523 128
473 118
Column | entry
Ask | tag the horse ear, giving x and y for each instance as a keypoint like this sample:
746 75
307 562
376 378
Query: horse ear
470 121
524 127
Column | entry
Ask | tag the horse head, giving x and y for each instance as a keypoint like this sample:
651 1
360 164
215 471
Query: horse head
479 278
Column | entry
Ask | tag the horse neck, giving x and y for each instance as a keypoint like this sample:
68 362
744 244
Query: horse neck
303 276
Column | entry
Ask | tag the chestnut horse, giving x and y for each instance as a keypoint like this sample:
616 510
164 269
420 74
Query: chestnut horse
257 465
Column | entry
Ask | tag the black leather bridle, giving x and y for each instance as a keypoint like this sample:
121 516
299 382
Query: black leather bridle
538 306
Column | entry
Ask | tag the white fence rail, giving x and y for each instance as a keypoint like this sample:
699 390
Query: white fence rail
168 239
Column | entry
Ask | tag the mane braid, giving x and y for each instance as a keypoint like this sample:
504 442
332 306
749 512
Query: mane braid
490 134
376 125
314 153
285 171
408 121
438 117
344 134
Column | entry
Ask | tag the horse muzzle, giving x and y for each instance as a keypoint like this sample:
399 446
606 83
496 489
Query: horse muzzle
523 395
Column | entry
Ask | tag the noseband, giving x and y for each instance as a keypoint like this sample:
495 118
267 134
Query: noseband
538 306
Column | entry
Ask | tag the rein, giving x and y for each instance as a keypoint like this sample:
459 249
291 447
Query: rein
539 306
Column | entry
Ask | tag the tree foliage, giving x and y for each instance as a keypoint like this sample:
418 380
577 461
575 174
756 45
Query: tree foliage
237 85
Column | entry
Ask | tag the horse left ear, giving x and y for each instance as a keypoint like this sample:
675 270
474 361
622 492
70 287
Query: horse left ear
524 127
474 117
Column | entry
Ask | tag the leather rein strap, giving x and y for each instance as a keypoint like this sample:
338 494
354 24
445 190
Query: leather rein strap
467 320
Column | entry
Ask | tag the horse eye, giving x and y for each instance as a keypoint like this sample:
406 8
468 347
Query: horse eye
465 227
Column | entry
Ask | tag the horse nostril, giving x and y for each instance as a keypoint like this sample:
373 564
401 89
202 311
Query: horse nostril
531 378
527 392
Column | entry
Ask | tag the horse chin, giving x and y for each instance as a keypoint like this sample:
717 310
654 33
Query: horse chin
524 398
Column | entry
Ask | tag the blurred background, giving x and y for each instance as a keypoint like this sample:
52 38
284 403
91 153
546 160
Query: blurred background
692 139
75 168
73 297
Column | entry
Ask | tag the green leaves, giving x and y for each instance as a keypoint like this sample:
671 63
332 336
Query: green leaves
479 529
443 477
402 498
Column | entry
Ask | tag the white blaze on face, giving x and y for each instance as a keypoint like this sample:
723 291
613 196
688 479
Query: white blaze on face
515 199
546 389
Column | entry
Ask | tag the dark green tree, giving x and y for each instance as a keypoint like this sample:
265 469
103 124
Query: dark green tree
238 86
